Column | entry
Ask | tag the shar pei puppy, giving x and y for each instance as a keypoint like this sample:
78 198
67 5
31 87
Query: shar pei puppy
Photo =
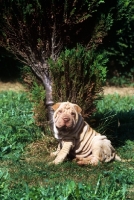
77 139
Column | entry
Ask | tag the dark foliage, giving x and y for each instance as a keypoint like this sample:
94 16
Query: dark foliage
78 76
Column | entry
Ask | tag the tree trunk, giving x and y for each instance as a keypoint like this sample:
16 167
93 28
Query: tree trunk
42 70
47 82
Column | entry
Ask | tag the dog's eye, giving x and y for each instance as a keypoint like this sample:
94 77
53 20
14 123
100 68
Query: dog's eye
72 113
60 111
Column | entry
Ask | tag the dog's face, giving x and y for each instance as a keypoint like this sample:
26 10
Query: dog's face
65 116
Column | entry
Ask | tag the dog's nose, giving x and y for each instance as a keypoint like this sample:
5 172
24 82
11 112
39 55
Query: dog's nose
66 119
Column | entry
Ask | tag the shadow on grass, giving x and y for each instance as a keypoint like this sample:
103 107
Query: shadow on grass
119 127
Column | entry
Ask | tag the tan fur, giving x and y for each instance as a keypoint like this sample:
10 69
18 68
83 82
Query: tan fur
78 139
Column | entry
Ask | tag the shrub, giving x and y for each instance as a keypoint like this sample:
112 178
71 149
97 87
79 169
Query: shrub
37 93
120 40
78 76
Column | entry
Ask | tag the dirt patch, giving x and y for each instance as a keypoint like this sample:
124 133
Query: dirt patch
122 91
16 86
13 86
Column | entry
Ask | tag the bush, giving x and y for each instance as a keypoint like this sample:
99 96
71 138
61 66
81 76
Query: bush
78 76
120 40
37 93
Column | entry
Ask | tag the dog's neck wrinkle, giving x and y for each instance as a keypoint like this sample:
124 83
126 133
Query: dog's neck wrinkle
78 127
75 131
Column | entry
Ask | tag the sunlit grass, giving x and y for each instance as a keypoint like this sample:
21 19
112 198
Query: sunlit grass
24 169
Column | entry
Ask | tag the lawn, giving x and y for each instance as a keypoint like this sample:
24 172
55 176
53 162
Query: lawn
24 153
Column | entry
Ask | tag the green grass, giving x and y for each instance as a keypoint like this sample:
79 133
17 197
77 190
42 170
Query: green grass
17 124
24 153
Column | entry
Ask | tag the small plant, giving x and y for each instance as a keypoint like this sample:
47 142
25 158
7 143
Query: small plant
40 110
37 94
27 76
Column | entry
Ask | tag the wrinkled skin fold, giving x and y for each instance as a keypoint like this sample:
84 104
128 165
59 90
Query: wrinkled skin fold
77 139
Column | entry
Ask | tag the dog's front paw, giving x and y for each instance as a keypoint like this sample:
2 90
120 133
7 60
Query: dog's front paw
51 163
53 154
54 162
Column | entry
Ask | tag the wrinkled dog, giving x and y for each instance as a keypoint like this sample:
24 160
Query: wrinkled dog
77 139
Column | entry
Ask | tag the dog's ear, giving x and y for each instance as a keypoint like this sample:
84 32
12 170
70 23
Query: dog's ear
56 106
77 108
